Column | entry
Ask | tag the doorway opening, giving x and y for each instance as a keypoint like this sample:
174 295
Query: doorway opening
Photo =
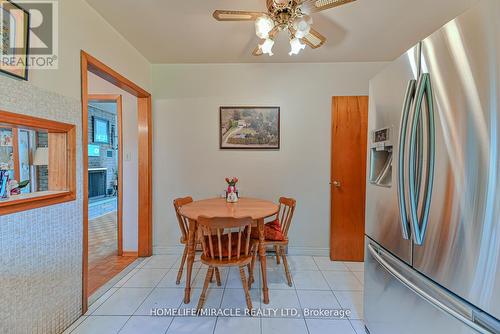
105 190
104 187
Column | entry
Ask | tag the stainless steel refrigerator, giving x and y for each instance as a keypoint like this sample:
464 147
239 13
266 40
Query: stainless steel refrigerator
433 191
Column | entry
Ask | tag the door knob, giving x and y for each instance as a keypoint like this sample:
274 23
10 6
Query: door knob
337 184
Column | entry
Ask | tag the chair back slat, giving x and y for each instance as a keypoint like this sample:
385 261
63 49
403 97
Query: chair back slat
247 246
229 235
210 242
183 221
219 243
238 236
287 209
238 248
203 242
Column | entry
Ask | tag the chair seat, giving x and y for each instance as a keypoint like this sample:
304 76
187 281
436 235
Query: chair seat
272 232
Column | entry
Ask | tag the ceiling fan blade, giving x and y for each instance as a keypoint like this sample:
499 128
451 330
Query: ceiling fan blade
314 39
313 6
235 15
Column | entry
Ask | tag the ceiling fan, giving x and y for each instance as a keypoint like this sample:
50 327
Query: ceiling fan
292 16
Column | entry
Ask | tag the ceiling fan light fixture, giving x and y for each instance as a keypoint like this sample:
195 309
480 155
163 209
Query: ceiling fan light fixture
267 47
263 26
289 16
296 46
302 26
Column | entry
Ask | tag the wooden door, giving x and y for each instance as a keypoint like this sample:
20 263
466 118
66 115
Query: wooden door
348 177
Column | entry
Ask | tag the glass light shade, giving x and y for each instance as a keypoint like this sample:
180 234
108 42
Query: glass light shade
263 26
296 46
41 156
302 26
267 46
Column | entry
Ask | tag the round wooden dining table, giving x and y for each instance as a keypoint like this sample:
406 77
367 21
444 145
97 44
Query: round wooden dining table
257 209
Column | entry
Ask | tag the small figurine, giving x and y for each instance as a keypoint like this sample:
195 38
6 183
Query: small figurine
232 192
232 197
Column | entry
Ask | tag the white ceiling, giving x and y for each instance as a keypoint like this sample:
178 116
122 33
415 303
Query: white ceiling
184 31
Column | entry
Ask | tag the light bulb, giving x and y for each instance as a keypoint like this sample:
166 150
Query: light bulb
302 26
296 46
267 46
263 26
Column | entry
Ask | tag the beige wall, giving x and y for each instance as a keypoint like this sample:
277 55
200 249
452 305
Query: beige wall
41 272
186 155
82 28
130 162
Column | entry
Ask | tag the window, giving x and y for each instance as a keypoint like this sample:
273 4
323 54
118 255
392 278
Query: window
101 130
37 162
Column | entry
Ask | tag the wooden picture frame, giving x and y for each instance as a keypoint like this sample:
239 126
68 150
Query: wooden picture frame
21 56
249 128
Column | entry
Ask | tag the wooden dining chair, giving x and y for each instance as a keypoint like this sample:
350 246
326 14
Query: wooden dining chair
184 227
231 249
276 235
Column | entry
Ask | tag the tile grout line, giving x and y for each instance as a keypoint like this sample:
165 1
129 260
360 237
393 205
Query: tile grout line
149 294
300 304
169 324
223 294
335 296
363 284
184 272
91 314
173 318
122 287
136 268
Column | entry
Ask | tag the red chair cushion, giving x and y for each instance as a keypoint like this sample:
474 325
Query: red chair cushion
224 243
272 231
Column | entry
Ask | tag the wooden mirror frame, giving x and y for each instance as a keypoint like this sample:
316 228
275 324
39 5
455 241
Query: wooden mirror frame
62 161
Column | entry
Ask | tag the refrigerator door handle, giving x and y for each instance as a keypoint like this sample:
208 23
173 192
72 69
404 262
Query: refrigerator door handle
379 256
403 130
418 223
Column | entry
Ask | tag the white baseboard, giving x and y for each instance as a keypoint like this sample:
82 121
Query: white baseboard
304 251
308 251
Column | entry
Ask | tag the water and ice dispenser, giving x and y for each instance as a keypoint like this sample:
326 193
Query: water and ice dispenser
381 150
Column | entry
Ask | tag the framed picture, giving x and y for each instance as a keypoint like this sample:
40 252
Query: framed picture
6 137
14 41
249 128
101 130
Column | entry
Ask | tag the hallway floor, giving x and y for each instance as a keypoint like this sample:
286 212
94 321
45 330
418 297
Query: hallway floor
318 284
104 262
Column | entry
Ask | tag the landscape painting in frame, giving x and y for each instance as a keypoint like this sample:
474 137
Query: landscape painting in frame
250 128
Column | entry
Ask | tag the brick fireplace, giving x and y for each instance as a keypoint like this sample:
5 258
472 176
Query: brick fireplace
97 182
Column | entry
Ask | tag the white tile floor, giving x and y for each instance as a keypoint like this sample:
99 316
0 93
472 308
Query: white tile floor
318 284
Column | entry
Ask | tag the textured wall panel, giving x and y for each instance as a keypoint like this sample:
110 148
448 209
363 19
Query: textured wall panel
41 250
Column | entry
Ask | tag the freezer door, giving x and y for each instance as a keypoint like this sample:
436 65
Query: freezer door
397 300
461 248
390 90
